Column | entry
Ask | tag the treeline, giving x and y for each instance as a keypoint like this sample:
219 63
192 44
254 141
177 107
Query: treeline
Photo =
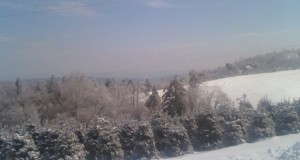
159 136
80 98
74 96
269 62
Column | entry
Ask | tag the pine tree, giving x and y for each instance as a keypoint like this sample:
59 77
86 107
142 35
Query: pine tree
207 133
171 138
232 134
154 101
287 121
19 86
148 85
194 80
262 126
174 99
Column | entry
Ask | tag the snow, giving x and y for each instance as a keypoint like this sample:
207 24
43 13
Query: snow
276 86
268 149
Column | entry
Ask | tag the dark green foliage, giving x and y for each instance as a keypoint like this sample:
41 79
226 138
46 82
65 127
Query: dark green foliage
174 99
144 146
154 101
102 142
204 131
262 126
232 134
18 146
286 121
265 105
127 134
244 104
57 143
18 86
170 136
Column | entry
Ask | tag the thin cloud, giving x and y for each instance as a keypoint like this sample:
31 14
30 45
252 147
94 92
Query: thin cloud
4 39
261 34
158 4
73 8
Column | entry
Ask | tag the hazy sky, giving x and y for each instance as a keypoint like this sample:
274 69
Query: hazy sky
138 37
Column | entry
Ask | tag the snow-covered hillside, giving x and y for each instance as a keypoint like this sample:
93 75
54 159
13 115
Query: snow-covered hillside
263 150
276 86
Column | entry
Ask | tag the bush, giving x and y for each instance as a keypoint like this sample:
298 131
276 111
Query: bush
170 136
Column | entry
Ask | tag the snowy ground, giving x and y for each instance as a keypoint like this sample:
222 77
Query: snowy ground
276 86
269 149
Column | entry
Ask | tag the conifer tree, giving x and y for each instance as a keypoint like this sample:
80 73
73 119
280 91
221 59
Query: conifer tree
19 86
174 99
154 101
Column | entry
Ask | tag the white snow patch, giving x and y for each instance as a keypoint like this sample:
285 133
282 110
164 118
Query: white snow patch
268 149
276 86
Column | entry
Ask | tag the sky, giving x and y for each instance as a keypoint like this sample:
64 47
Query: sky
139 38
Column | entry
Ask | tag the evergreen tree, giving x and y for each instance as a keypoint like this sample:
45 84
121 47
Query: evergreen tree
194 80
265 105
19 86
174 99
232 134
144 146
148 85
208 132
52 85
154 101
262 126
286 121
102 142
171 138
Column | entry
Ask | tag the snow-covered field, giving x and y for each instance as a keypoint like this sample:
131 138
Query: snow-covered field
276 86
269 149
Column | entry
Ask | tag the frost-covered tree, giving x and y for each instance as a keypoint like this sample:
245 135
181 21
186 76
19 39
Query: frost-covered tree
102 142
57 143
154 101
208 132
262 126
19 86
286 121
174 99
232 134
144 145
266 105
170 136
244 104
127 134
194 79
18 146
148 85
